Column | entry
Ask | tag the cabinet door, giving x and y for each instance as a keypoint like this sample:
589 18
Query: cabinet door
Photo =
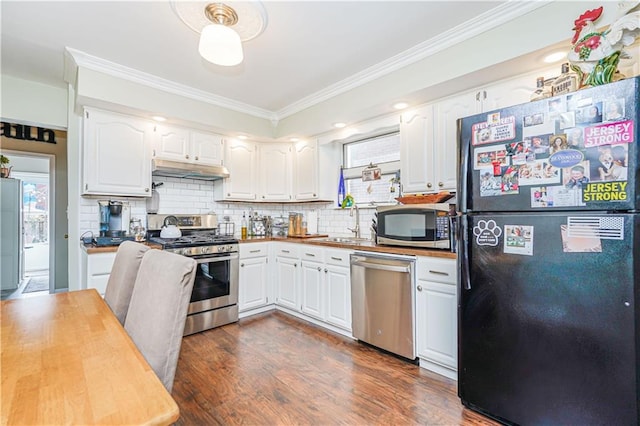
252 279
448 112
275 172
436 316
311 285
116 154
286 282
98 270
206 148
305 175
240 159
508 93
338 287
171 143
416 150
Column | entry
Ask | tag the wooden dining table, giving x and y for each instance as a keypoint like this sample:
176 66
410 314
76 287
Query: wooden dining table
67 360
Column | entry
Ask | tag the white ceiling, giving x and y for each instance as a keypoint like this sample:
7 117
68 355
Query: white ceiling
307 46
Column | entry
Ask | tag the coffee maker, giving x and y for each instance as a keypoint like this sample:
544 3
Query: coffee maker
114 222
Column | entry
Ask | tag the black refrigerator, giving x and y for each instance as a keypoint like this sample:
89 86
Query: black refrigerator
549 258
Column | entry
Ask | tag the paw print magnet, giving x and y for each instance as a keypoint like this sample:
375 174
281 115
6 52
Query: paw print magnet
487 233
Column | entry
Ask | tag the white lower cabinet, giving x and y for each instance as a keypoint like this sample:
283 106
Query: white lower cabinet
337 274
253 280
96 270
436 315
314 283
287 265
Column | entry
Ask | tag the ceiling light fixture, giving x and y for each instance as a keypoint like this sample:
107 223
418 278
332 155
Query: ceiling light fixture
159 118
554 57
219 43
400 105
222 28
339 125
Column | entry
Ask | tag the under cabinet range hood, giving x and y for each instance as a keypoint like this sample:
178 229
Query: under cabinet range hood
188 170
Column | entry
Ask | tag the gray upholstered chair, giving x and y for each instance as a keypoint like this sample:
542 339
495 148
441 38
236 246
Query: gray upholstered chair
158 310
123 276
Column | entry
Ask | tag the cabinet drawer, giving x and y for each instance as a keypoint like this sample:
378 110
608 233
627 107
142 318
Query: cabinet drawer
100 263
438 270
287 250
248 250
337 257
312 253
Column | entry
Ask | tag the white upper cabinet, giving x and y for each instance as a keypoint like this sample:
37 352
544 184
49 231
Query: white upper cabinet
240 158
445 153
306 176
416 149
315 171
206 148
187 146
116 154
275 171
505 93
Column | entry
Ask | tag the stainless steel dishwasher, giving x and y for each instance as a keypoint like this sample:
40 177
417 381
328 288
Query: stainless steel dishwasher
382 302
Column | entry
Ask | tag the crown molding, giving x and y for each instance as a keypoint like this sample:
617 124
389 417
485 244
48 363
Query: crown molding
481 23
94 63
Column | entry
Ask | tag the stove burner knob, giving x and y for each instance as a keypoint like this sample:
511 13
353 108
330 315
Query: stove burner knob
205 249
229 248
220 249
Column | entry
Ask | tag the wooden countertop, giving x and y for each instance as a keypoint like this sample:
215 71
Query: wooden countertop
91 249
67 360
364 246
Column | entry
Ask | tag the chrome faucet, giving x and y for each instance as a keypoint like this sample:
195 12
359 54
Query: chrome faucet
356 229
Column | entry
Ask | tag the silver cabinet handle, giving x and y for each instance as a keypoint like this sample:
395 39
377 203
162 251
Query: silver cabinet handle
440 184
319 269
325 270
419 288
146 190
197 158
336 258
186 156
254 251
438 273
429 185
242 265
285 251
310 254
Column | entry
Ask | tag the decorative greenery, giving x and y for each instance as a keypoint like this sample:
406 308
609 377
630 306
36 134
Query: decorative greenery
3 160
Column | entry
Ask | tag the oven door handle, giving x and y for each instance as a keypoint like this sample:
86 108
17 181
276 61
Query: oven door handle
205 258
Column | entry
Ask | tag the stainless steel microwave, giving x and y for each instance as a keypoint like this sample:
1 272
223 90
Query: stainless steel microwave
417 225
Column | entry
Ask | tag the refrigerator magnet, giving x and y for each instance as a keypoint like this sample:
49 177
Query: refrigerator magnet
487 233
518 239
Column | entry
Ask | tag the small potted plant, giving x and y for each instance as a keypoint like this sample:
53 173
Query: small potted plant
4 170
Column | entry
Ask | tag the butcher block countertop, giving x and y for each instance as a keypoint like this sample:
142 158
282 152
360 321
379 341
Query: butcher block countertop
360 245
92 249
67 360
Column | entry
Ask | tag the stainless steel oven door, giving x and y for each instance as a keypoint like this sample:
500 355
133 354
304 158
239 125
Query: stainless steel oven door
216 283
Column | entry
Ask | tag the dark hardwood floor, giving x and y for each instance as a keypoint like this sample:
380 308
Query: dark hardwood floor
273 368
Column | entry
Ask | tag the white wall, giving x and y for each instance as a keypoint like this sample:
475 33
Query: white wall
27 102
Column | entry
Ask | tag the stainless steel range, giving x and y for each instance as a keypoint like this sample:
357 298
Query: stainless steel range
214 301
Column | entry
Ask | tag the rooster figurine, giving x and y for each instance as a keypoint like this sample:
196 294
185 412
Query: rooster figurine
594 54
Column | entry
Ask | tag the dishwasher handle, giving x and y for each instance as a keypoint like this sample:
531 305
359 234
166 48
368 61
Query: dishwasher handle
399 267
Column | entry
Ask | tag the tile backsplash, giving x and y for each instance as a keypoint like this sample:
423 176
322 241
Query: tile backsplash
188 196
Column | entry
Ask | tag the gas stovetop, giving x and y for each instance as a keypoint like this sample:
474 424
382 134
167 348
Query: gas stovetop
197 243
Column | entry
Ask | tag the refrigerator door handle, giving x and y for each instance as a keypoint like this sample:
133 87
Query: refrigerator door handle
462 255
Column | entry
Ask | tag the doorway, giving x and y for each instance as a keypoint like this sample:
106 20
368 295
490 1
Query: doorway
35 172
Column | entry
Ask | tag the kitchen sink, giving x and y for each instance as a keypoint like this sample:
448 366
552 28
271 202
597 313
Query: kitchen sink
346 240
